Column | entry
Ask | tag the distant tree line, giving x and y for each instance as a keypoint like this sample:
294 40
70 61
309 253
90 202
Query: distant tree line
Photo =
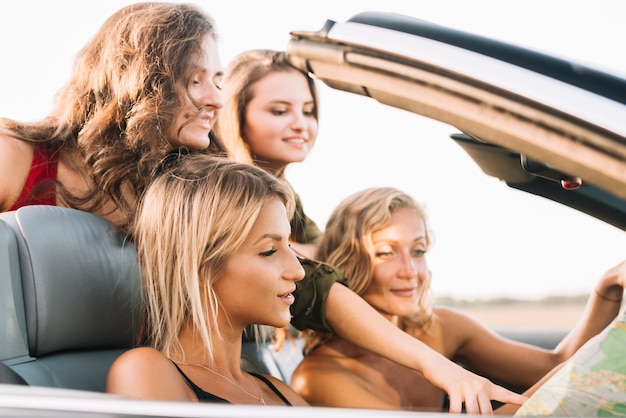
507 301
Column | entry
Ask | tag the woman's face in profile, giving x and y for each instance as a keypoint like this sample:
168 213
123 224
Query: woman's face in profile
260 276
189 129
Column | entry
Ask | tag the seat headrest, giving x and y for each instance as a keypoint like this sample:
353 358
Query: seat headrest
80 280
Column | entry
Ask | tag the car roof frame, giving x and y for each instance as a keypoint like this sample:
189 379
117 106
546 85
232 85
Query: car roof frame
491 111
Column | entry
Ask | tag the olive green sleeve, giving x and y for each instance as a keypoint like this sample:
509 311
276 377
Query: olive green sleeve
309 308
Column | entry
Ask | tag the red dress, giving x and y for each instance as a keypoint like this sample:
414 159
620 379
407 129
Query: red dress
39 188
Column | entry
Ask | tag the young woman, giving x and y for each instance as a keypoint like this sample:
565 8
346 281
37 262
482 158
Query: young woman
270 118
207 275
146 83
379 238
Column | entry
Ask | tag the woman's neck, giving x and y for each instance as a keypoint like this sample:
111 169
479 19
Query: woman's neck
226 351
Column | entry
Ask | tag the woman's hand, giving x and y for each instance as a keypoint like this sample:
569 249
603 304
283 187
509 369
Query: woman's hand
466 388
611 285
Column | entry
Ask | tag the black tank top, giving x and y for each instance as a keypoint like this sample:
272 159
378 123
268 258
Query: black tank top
209 397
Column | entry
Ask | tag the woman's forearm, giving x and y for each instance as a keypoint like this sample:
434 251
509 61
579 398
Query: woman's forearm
355 320
351 317
602 308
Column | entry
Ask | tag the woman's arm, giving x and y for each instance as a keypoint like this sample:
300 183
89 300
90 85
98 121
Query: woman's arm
470 342
355 320
521 365
603 305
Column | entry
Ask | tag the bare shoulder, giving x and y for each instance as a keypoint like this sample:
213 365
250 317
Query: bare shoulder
15 160
138 358
11 148
336 381
320 372
459 328
317 364
145 373
136 362
453 317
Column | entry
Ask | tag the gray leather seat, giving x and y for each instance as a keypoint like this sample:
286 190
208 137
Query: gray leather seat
69 295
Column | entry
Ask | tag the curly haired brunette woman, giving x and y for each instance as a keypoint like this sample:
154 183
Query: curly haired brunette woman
146 83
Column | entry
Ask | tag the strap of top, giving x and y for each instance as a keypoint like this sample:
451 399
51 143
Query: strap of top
201 394
204 396
39 188
271 386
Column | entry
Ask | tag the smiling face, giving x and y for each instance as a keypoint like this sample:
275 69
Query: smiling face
400 266
190 129
260 276
280 123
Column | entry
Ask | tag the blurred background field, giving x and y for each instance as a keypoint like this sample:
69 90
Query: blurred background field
550 312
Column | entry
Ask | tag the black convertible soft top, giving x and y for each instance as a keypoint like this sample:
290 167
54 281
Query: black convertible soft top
569 72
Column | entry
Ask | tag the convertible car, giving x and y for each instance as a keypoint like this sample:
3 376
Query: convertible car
542 125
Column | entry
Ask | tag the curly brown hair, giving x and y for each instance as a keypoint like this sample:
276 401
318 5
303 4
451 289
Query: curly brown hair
121 98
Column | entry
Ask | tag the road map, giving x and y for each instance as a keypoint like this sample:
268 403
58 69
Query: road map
591 384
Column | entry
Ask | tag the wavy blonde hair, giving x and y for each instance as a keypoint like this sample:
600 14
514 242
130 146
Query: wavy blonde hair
241 74
198 210
122 96
347 244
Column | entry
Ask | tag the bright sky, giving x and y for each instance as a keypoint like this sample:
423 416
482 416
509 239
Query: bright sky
491 241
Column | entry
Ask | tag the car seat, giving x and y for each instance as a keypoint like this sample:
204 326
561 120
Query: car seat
70 297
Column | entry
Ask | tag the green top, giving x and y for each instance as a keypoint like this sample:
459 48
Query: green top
309 308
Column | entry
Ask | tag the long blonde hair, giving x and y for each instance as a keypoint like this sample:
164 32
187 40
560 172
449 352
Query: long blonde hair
241 74
347 244
198 210
121 99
